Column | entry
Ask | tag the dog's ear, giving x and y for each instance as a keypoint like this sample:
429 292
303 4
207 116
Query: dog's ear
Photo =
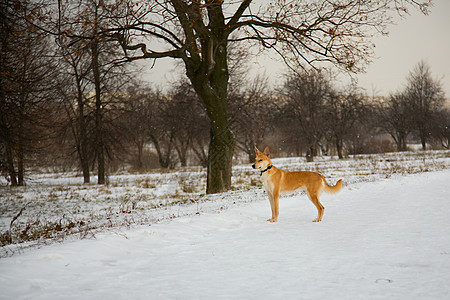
267 152
257 151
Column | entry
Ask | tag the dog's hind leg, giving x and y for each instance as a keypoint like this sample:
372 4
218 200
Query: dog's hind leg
320 209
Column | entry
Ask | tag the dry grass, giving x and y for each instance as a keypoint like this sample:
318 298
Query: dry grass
54 207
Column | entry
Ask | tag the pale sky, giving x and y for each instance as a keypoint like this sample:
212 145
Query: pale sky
416 37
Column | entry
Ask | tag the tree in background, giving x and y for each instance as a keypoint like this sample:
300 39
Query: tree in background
73 88
426 98
395 118
26 87
80 28
443 130
138 114
342 111
416 109
304 107
190 122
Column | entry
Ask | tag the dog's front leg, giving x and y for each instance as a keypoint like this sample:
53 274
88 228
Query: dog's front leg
272 205
273 198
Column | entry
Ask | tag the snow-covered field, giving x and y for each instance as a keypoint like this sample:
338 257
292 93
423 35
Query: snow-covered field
157 236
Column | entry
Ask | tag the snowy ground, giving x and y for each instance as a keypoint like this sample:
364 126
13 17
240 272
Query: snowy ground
58 207
385 239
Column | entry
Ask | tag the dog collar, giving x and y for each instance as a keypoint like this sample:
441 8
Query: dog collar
268 168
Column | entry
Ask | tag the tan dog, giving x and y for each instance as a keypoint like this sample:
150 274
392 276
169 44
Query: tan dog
277 181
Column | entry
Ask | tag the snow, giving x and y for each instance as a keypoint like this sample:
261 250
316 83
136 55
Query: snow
386 239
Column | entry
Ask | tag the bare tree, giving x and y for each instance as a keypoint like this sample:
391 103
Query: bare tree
395 118
443 129
343 110
189 121
306 96
426 98
25 86
137 117
73 87
80 29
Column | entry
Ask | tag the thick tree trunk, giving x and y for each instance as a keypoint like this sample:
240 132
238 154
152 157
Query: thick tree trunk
210 82
220 155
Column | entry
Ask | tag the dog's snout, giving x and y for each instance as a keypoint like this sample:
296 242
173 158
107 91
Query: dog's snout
253 166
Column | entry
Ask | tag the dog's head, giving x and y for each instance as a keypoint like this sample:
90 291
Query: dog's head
262 159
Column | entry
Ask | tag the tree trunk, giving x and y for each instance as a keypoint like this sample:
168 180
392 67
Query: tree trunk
339 146
423 140
10 163
210 82
20 163
164 157
98 113
20 146
85 165
310 154
404 147
402 143
181 148
220 156
251 156
84 156
199 151
140 148
83 143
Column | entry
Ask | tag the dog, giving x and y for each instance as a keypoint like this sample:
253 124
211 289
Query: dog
278 181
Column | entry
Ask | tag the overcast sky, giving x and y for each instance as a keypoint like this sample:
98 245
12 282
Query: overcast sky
415 38
418 37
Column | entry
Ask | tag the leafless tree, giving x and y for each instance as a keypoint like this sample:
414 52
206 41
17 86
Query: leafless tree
80 28
306 96
26 70
342 111
394 116
73 87
426 97
138 105
442 133
190 121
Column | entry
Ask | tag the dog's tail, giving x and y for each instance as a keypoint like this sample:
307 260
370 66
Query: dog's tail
332 189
